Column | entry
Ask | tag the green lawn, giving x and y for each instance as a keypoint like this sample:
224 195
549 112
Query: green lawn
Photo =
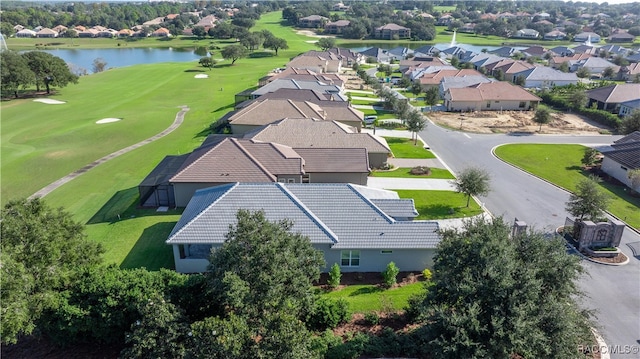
382 114
360 94
372 102
41 143
560 164
405 172
441 204
404 148
367 298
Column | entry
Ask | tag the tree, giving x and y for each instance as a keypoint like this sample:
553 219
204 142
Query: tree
334 276
590 157
499 75
432 96
42 249
634 177
473 181
99 65
326 43
493 296
49 70
564 67
542 116
588 200
630 123
207 62
275 44
390 274
234 52
14 72
583 72
415 123
608 72
455 61
577 99
520 80
199 32
253 40
415 87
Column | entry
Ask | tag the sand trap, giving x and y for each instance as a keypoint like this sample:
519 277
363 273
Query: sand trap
108 120
201 76
49 101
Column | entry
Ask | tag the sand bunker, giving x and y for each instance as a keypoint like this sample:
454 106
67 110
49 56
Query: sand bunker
201 76
108 120
49 101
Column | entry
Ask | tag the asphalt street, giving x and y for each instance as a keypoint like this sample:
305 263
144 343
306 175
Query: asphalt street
613 291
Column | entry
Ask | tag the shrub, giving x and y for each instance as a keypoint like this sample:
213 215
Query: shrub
328 314
389 275
334 276
426 274
372 318
421 171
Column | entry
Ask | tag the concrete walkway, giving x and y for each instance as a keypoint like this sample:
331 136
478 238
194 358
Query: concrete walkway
51 187
410 183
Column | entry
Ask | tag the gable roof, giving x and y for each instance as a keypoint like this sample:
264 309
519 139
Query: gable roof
334 160
493 91
626 151
615 93
295 84
312 96
391 26
308 132
547 74
335 214
233 160
434 78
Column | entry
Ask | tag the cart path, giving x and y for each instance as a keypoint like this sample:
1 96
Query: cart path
51 187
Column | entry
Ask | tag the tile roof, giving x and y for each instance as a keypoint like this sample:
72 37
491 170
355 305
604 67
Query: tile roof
615 93
494 91
335 214
397 207
547 73
307 132
294 84
391 26
434 78
334 160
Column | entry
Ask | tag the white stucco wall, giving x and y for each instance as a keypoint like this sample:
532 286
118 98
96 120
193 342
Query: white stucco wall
617 171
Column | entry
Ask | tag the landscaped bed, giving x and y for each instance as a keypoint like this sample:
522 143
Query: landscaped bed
405 172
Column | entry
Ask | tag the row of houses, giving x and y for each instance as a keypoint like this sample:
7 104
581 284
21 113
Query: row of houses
93 32
388 31
296 152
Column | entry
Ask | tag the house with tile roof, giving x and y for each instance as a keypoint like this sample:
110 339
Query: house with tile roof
304 75
433 79
546 77
26 33
509 68
629 72
336 27
221 160
312 21
313 133
264 112
555 35
420 62
46 33
629 107
587 36
622 157
277 84
313 96
494 96
318 64
621 37
609 98
595 65
449 82
391 31
381 55
348 223
526 34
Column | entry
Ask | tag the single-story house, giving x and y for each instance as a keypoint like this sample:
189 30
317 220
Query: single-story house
557 61
400 53
263 112
622 157
426 50
391 31
319 64
321 99
555 35
161 32
420 62
629 72
546 77
46 32
295 84
26 33
586 49
509 68
609 98
588 37
312 21
222 160
380 55
449 82
313 133
621 37
595 65
629 107
433 79
493 96
336 27
353 226
504 51
304 75
526 34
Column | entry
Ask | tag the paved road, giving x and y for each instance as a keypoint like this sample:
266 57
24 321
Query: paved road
613 291
51 187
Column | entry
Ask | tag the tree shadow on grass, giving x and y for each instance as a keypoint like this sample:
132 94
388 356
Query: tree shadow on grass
366 290
438 210
220 66
123 205
261 54
229 106
194 70
150 250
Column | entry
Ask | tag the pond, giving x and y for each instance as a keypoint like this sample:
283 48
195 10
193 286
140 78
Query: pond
83 58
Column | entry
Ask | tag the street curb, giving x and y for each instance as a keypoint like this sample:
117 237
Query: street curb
551 183
601 344
594 261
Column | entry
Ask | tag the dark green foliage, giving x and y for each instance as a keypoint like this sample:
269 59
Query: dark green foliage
496 297
542 116
275 44
561 98
326 43
372 318
589 200
207 62
630 123
590 157
390 274
14 72
234 53
42 249
328 314
334 276
49 70
217 338
473 182
432 96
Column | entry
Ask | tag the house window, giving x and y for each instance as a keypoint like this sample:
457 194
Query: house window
488 104
282 180
522 104
291 180
350 258
386 251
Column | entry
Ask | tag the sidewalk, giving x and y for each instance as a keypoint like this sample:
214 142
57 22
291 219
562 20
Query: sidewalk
410 183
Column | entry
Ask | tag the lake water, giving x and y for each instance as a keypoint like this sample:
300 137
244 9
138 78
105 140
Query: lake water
120 57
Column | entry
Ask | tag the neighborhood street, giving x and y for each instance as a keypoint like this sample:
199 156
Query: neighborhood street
614 291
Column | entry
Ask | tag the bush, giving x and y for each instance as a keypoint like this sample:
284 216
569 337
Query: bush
426 274
328 314
334 276
389 275
372 318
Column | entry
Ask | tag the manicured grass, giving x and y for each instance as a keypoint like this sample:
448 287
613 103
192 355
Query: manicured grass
372 102
441 204
445 8
405 172
41 143
368 298
382 114
404 148
360 94
560 164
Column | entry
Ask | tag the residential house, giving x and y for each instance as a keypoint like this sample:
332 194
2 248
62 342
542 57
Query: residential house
449 82
348 223
313 96
509 68
494 96
468 28
107 33
88 33
557 61
629 107
60 29
391 31
629 72
420 62
633 58
595 65
526 34
314 133
207 22
609 98
621 37
426 50
534 51
125 33
347 56
277 84
336 27
47 33
614 50
161 32
303 75
562 51
504 51
400 53
222 160
155 21
264 112
312 21
26 33
445 20
18 27
380 55
433 79
587 37
555 35
340 7
622 157
586 49
546 77
317 64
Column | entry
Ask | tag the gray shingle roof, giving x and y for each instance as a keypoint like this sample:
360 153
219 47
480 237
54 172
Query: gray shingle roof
294 84
336 214
548 74
615 93
397 207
